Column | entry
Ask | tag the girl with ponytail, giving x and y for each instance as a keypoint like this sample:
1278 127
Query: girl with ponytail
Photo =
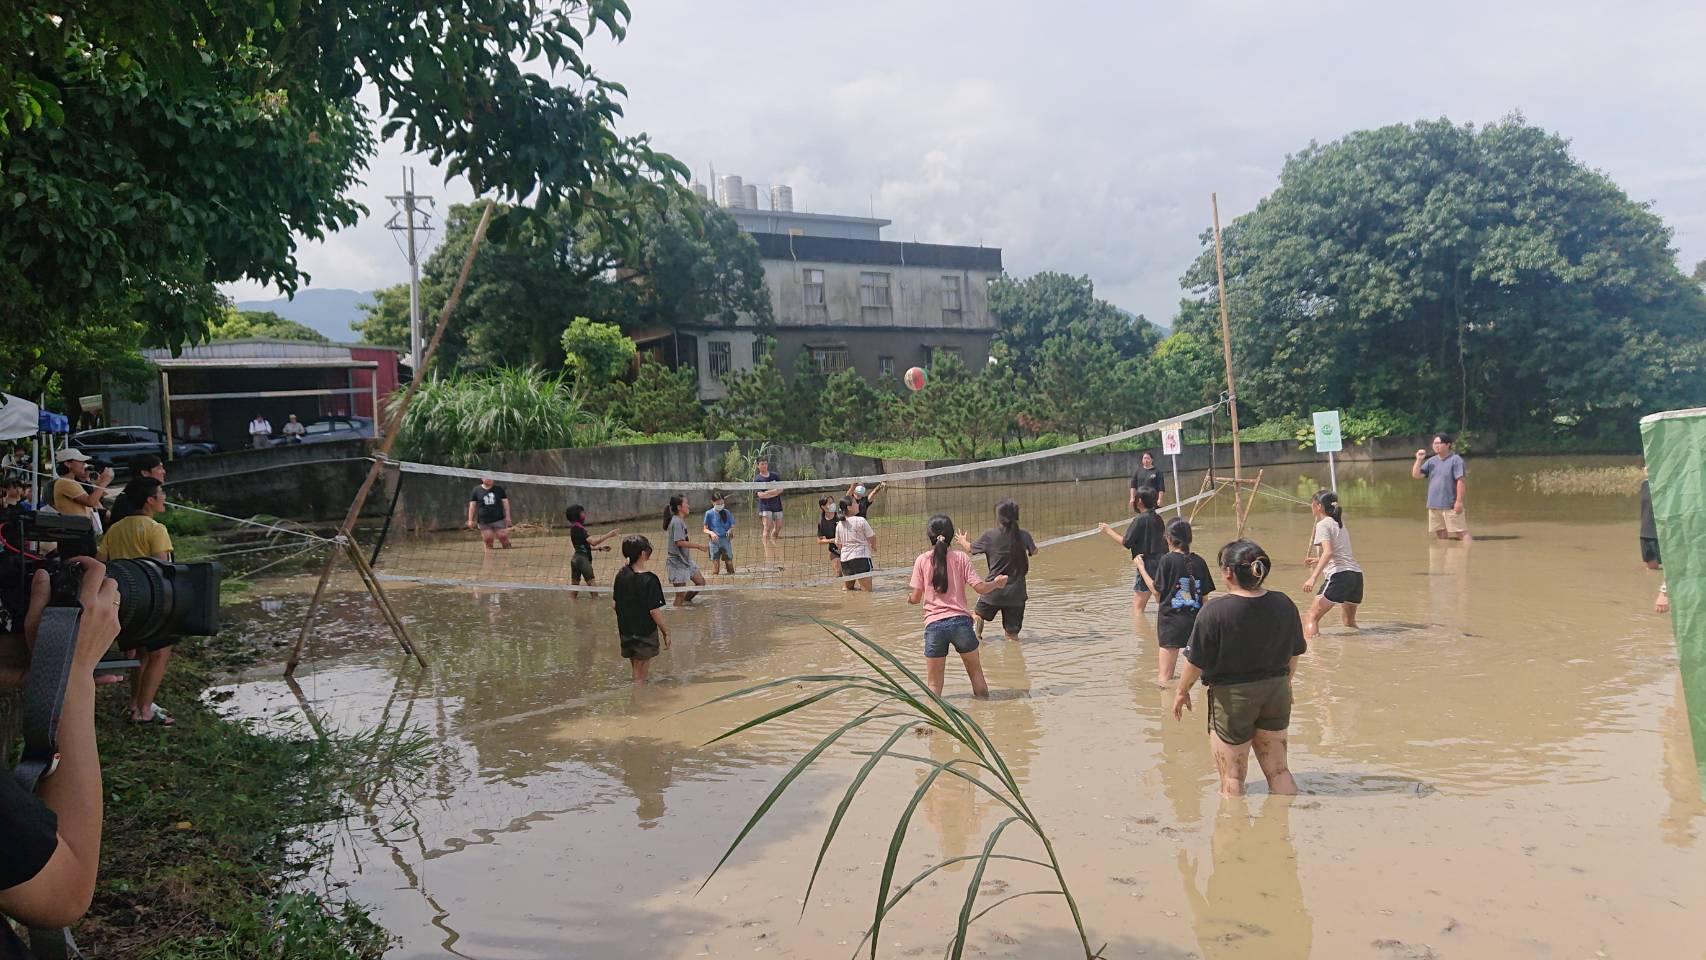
1330 557
1244 647
678 561
1008 550
940 576
1180 582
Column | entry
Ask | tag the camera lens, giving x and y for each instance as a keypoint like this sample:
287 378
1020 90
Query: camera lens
158 600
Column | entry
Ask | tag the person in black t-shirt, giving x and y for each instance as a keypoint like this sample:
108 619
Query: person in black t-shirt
488 509
1180 582
1145 538
1244 648
865 495
638 598
828 517
1008 550
1148 476
580 565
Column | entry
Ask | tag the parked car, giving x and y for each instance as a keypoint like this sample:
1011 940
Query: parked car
335 428
120 446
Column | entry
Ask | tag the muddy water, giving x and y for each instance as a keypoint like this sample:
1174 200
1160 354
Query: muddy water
1496 766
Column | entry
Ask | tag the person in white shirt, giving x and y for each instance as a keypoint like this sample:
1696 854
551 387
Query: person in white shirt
1331 557
260 432
858 542
293 430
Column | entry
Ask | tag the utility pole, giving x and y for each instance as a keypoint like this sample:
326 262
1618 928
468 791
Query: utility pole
409 220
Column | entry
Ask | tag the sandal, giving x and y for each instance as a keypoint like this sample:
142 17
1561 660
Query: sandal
158 716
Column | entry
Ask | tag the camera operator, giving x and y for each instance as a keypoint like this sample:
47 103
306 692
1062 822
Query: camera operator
72 500
53 839
137 536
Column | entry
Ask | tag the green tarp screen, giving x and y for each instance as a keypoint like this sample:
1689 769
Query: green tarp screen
1675 446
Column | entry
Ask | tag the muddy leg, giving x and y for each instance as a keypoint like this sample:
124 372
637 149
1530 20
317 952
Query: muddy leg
1270 755
1233 762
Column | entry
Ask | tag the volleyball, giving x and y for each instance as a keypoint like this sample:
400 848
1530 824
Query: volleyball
915 378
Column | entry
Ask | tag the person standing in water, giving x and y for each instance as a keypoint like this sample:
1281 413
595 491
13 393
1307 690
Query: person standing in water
769 501
1148 476
857 541
1331 557
1008 550
1650 544
580 564
1244 648
678 562
828 518
719 529
488 509
939 580
638 598
1180 583
1146 538
866 496
1447 479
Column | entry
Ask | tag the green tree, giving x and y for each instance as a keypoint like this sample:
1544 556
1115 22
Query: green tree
597 354
754 404
1699 274
237 324
152 150
386 320
1475 277
1048 304
851 409
1076 385
948 408
661 399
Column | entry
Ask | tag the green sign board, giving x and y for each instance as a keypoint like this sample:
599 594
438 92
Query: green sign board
1327 439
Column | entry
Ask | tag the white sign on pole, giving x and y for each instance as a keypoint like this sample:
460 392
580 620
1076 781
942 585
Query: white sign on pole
1170 444
1327 439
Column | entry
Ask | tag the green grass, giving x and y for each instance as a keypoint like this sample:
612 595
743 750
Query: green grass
1623 481
201 819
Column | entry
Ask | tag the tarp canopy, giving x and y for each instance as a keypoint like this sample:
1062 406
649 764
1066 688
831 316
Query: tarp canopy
1675 447
18 417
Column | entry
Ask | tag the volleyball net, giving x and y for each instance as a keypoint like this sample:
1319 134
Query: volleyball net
1063 493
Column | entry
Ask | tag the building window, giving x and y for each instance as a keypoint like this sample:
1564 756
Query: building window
874 291
814 288
951 315
828 360
885 367
759 349
721 358
937 353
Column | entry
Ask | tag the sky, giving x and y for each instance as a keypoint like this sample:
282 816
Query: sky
1087 137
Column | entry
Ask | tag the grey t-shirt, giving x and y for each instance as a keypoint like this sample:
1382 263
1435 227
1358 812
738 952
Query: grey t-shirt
677 533
1442 480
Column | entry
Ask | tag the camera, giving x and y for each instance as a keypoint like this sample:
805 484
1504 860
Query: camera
96 465
157 601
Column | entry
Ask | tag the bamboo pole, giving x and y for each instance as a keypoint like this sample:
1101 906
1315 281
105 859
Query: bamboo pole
381 457
1226 353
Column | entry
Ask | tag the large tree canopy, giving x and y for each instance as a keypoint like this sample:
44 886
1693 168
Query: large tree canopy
152 149
1047 304
1481 277
679 261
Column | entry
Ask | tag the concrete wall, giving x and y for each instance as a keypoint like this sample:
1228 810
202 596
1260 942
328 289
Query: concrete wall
307 481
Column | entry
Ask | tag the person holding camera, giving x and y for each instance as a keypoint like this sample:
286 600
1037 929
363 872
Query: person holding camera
136 537
53 838
76 493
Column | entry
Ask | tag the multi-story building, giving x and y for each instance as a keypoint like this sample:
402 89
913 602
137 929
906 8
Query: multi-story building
844 298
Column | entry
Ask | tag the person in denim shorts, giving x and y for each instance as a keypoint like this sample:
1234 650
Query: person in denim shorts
939 579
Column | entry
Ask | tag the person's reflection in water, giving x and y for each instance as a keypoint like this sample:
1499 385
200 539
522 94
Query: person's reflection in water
953 807
1684 776
1252 905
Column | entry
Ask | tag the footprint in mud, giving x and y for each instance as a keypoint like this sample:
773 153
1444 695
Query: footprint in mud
1361 785
999 693
1387 629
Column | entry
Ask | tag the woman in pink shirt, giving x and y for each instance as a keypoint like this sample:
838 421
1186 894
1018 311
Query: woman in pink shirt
939 578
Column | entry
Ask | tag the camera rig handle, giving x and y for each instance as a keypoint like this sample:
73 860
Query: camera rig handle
44 702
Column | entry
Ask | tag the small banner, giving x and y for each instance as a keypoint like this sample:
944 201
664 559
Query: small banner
1170 444
1327 439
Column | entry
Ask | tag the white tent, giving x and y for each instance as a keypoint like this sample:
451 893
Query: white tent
18 417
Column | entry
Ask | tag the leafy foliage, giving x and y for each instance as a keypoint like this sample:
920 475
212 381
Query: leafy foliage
386 318
236 324
456 419
1472 277
755 402
661 399
596 353
1048 305
851 409
897 698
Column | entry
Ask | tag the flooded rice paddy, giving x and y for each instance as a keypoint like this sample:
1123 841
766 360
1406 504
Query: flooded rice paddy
1497 765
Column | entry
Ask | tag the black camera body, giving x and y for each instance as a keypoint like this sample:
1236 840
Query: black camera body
157 601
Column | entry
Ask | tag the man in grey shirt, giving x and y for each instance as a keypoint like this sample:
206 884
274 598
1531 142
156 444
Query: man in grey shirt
1447 485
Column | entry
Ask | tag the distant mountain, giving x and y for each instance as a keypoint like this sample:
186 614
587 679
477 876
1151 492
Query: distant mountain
329 311
1166 331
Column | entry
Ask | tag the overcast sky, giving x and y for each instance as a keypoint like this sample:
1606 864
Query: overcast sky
1088 141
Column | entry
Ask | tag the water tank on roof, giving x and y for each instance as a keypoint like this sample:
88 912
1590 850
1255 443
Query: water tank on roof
731 192
782 198
751 195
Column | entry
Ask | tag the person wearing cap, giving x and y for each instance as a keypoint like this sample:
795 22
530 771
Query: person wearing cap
72 499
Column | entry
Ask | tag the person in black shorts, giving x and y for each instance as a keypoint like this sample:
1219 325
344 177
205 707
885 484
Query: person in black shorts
1244 648
1008 550
638 598
1650 543
580 565
1180 582
1330 557
1145 538
828 517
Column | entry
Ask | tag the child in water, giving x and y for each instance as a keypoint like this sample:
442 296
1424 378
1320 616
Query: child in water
580 565
1146 538
939 580
678 562
1008 550
638 596
828 518
1180 581
719 529
1343 584
858 543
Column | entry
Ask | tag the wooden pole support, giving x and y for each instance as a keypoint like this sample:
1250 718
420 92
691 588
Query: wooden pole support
1226 354
382 455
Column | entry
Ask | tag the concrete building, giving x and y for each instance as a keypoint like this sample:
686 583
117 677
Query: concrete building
844 298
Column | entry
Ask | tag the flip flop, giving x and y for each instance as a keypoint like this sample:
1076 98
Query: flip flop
160 717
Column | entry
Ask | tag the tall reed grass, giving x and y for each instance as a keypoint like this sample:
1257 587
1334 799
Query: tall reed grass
456 419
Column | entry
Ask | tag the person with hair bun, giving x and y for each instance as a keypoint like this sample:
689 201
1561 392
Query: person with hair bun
1007 548
638 597
1244 648
1330 556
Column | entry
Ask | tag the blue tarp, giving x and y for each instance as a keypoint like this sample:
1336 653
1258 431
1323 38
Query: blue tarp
53 422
